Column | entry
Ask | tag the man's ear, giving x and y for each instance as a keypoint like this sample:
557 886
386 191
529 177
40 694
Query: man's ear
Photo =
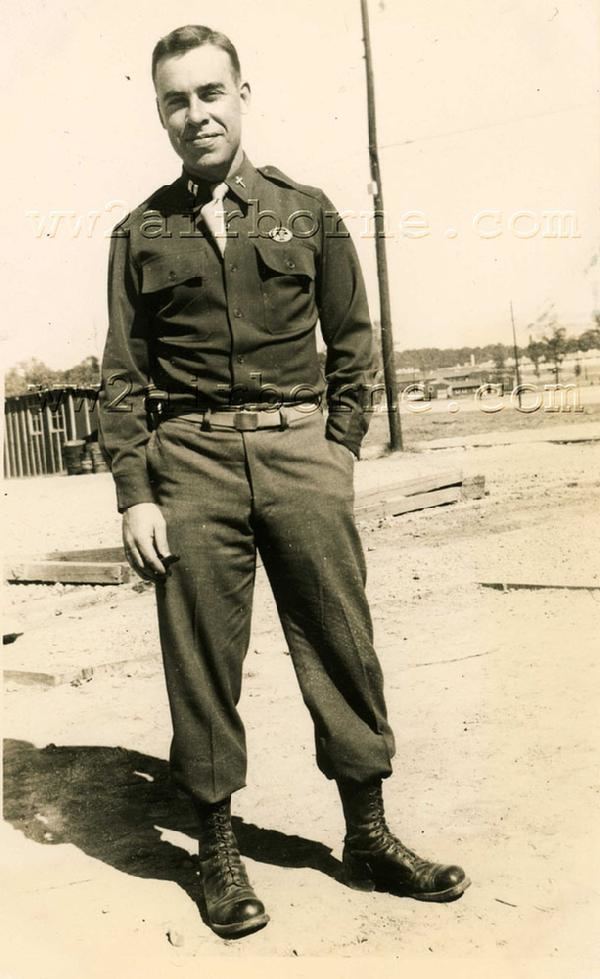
245 97
162 122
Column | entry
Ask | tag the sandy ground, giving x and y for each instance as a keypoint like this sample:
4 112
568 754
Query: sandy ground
493 697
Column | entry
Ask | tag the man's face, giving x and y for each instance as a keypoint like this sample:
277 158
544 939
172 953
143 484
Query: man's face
200 104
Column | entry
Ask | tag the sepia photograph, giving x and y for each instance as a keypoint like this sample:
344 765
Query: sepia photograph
301 486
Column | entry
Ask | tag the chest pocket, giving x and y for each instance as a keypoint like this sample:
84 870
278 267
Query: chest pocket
167 272
287 273
173 284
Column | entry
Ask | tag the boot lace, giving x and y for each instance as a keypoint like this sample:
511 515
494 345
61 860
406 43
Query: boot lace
382 836
225 845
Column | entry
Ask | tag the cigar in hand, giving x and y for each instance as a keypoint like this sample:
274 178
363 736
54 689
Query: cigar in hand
168 560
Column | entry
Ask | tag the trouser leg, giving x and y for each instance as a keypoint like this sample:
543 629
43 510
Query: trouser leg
313 556
204 607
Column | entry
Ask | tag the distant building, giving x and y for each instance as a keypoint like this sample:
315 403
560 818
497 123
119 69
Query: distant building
438 388
38 424
456 382
464 385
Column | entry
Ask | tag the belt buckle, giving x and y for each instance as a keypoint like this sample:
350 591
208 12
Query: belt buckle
245 421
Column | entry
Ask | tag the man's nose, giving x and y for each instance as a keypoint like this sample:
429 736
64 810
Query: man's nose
196 112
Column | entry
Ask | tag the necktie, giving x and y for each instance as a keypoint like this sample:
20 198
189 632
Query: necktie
213 215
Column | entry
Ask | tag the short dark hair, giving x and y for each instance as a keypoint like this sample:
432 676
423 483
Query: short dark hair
191 36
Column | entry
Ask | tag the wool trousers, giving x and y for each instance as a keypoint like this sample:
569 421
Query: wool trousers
286 494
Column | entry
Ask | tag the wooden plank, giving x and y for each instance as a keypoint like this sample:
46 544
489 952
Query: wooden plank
576 438
27 446
16 442
49 440
7 465
101 554
71 416
146 665
534 586
34 678
86 416
35 444
61 435
19 441
8 435
411 487
70 572
17 466
396 506
35 418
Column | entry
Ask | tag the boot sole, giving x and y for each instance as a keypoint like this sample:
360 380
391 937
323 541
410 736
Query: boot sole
450 894
239 928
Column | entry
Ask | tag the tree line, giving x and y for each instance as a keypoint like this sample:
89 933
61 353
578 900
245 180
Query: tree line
550 348
31 374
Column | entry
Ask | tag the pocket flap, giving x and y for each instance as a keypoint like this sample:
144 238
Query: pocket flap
287 258
166 271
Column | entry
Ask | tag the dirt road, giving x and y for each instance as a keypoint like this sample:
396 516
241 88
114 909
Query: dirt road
493 697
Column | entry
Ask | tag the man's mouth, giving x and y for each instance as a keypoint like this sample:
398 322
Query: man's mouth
201 137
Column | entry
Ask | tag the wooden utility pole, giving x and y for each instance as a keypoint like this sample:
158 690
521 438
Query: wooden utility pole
516 352
387 340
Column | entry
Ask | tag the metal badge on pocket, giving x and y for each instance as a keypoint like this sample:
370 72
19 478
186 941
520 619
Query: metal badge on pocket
280 234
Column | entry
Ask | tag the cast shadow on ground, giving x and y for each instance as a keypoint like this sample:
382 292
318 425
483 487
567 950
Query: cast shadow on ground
109 803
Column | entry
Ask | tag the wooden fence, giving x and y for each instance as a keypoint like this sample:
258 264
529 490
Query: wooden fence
37 425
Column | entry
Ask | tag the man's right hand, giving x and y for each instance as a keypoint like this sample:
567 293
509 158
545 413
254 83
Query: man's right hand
145 540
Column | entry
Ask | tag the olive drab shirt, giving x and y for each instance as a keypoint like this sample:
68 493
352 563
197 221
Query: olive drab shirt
212 331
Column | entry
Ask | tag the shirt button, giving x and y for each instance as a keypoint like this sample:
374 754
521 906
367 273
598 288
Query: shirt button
240 359
237 312
171 275
290 264
233 268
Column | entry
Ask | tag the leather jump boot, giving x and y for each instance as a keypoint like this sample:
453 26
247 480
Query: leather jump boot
232 907
375 858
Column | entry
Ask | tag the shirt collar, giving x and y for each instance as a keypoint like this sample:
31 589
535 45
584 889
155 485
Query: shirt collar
240 183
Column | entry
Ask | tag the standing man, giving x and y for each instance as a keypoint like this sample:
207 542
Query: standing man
211 417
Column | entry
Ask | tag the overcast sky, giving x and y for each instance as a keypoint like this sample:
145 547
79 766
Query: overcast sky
483 106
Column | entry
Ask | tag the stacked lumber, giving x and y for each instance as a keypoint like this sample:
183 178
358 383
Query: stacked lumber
108 566
101 566
437 489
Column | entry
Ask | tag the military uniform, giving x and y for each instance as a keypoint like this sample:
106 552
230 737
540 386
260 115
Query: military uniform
211 332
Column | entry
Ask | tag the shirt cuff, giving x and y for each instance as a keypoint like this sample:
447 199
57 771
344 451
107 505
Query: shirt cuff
133 486
348 427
